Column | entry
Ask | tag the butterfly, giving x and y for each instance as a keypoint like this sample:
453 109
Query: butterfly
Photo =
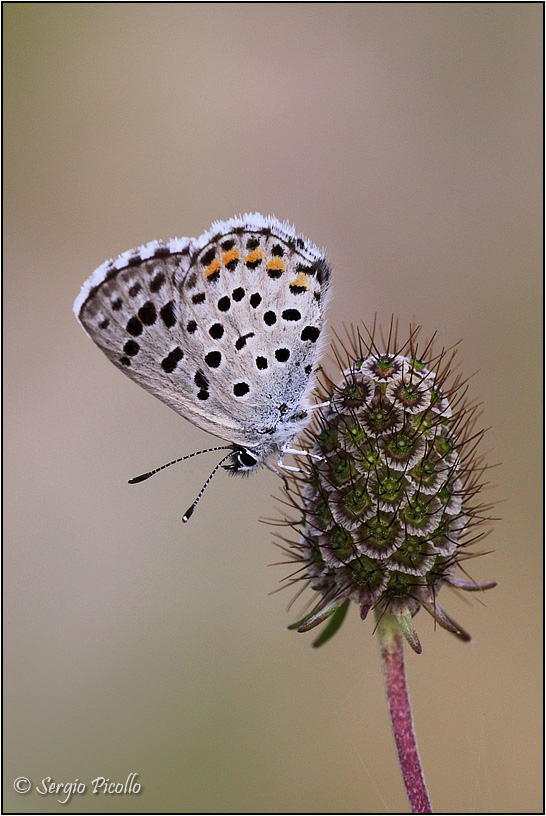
226 329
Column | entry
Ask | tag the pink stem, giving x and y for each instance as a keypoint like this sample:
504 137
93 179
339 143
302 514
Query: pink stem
394 676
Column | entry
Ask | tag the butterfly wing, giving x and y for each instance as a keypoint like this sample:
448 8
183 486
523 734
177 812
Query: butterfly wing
225 329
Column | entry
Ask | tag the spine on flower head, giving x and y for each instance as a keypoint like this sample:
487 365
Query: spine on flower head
388 511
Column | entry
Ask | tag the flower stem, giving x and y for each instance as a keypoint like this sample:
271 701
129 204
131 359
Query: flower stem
394 675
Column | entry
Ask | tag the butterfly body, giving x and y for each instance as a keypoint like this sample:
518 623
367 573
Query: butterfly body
226 329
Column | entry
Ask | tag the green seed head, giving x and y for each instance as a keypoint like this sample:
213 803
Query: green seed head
390 503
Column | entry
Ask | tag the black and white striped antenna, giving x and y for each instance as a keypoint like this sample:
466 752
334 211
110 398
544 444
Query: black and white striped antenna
145 476
187 515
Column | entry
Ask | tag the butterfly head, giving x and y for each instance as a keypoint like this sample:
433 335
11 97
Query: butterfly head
243 461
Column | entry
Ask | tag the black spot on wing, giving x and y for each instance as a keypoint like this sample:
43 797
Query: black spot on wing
190 281
148 313
282 355
201 380
310 333
291 314
240 389
213 359
157 282
131 348
168 315
216 331
169 363
241 341
134 326
209 256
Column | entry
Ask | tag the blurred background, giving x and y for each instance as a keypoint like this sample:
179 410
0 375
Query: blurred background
407 140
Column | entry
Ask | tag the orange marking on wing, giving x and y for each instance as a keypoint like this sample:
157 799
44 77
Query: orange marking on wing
275 263
301 280
230 255
213 267
255 255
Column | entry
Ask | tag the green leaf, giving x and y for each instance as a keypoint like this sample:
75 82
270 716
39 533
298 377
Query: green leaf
316 617
409 631
333 625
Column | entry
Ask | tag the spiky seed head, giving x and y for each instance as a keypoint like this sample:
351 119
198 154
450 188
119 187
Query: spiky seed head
387 510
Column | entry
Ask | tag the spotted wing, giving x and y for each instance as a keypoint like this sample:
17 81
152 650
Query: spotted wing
225 329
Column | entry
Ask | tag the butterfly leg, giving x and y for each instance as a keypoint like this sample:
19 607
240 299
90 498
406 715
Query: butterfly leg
290 468
295 452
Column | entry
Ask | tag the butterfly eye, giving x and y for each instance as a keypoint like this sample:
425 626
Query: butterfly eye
246 459
243 461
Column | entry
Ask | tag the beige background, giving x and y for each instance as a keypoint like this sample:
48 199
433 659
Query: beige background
405 138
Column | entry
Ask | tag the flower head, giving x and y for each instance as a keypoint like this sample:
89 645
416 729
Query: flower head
389 504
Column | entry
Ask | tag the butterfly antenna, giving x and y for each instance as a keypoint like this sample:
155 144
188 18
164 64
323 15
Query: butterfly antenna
189 512
145 476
